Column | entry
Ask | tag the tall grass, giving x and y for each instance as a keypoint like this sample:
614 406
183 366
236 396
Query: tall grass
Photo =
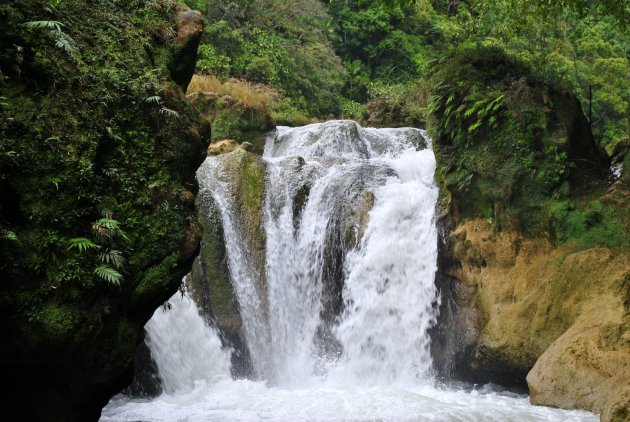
249 94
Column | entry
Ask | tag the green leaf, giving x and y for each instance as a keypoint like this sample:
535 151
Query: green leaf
474 126
107 273
82 244
53 25
156 99
113 257
8 235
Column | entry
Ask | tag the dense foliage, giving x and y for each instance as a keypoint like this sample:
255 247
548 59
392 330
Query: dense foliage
510 138
97 157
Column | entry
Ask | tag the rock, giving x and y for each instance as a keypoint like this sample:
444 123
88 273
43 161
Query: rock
539 307
230 118
69 337
190 26
244 175
247 146
588 367
222 147
365 205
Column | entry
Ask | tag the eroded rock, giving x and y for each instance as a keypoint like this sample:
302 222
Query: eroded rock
222 147
553 311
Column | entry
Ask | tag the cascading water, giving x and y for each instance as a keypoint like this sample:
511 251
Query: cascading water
337 323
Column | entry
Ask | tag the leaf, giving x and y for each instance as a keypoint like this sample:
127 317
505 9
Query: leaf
113 257
82 244
474 126
108 223
8 235
156 99
107 273
53 25
168 112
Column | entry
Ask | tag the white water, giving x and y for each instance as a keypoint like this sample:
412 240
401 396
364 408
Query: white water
374 361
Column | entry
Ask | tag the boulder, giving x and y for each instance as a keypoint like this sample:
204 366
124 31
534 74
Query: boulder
222 147
243 176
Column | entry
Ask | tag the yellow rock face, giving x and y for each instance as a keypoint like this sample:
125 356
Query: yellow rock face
222 147
557 311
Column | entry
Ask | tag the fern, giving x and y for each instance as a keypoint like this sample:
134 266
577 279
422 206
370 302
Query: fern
62 40
168 112
8 235
52 5
107 227
156 99
109 274
113 257
52 25
82 244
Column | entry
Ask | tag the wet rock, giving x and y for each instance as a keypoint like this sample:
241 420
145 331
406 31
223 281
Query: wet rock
519 307
211 286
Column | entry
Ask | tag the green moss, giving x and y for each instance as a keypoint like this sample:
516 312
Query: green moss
613 334
97 129
621 414
591 225
253 184
215 271
158 277
505 142
58 320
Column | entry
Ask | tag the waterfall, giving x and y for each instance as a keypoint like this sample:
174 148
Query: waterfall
333 276
315 246
185 349
343 293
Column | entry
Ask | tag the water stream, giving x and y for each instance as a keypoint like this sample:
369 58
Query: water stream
340 330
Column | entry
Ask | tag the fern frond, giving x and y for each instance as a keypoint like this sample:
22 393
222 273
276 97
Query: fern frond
52 25
82 244
8 235
156 99
168 112
474 126
113 257
63 41
107 273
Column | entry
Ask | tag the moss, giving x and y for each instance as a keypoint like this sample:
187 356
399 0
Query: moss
621 414
158 277
230 118
58 320
505 142
593 224
213 268
253 184
99 129
614 335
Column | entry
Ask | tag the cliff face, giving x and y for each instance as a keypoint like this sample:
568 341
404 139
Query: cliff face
98 150
533 264
554 316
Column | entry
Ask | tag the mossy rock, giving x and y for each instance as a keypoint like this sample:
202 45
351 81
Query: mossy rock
92 131
243 174
505 142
